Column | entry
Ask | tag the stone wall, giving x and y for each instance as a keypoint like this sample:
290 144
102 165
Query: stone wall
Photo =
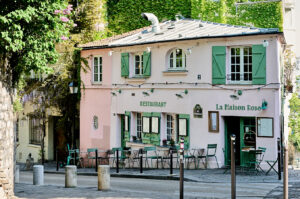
6 145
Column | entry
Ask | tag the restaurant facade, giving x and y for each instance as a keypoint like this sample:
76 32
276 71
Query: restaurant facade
187 78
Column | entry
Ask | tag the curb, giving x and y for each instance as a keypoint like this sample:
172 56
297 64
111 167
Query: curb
141 176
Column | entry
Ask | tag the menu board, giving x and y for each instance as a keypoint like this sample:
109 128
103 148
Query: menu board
265 127
154 125
146 124
182 127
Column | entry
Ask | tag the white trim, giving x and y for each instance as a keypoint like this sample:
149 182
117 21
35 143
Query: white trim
175 58
100 68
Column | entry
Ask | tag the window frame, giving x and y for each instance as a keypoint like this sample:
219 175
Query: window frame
139 123
258 126
241 63
99 68
141 56
183 60
33 137
169 127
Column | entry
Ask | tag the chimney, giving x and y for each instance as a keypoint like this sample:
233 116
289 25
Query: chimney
155 24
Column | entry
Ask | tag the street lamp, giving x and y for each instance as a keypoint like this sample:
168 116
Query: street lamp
73 90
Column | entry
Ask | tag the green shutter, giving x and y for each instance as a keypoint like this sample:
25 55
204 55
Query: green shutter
147 64
218 65
258 64
124 64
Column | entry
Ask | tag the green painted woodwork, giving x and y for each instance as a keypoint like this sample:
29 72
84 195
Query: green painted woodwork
123 142
124 64
147 64
154 114
186 138
218 65
145 114
151 138
258 64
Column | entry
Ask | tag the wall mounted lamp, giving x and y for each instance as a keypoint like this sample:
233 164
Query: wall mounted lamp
265 43
180 94
146 93
264 105
110 53
148 49
234 97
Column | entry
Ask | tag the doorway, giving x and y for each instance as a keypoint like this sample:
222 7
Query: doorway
244 129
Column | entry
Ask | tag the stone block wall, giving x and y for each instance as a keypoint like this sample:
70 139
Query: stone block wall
6 145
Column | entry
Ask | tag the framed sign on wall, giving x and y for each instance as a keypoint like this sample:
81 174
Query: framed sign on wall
265 127
213 121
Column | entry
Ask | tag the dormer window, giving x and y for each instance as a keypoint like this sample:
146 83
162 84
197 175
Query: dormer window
177 59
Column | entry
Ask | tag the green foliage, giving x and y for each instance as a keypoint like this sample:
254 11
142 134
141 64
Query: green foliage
125 15
29 30
294 118
263 15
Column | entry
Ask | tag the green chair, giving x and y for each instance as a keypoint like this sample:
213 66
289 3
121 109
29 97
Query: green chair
151 153
91 155
113 155
210 153
259 156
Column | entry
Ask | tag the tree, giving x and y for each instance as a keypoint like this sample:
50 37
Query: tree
294 118
29 31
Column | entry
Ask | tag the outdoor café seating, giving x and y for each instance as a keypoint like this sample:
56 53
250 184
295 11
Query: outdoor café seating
210 153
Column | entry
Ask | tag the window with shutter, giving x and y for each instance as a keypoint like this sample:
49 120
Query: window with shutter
218 65
259 64
97 70
147 64
124 64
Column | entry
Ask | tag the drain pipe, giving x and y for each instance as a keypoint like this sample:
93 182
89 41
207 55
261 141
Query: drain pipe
155 24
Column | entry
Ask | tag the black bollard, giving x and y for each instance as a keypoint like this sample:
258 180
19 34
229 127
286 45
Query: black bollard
57 165
181 167
233 178
96 153
278 158
141 160
75 157
117 161
171 161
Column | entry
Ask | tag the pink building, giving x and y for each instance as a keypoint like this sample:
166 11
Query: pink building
197 80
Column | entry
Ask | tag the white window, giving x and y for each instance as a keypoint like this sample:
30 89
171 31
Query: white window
240 70
170 127
177 59
97 70
138 64
35 131
139 125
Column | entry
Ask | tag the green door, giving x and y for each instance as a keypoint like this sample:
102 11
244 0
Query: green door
238 126
247 125
123 142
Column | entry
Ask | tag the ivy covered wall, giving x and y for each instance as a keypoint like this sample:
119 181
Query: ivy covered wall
125 15
263 15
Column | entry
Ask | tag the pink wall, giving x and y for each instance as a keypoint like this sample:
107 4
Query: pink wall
92 94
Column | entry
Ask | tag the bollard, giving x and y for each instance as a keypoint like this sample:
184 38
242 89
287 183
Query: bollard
141 160
117 161
57 166
96 153
278 158
17 174
71 176
233 178
171 162
181 167
285 173
103 177
38 175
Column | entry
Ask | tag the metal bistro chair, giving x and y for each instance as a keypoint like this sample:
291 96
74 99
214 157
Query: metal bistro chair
210 152
91 155
151 154
259 157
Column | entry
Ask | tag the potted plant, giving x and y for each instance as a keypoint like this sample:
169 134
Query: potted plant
164 142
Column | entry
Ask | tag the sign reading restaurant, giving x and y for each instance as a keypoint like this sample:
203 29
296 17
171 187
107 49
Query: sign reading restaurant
232 107
155 104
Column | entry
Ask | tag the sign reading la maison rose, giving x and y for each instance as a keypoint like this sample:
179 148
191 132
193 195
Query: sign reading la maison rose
232 107
155 104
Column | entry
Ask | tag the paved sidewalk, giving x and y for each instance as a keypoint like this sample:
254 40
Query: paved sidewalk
199 175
